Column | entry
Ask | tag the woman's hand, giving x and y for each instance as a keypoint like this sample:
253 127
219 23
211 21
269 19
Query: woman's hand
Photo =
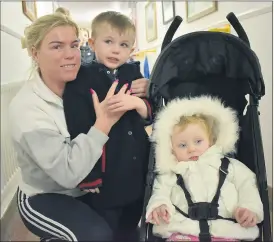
139 87
104 118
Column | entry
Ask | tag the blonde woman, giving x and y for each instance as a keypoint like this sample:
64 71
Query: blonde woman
52 165
63 11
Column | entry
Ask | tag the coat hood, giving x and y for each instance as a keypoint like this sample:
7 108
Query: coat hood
225 126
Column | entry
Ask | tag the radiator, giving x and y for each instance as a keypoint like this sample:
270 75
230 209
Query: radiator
9 168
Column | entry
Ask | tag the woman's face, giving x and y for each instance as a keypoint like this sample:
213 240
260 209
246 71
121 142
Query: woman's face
59 56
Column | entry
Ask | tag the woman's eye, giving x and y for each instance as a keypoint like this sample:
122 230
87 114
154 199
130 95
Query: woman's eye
57 47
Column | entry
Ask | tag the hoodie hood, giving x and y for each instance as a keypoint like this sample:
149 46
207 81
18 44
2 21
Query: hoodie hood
224 123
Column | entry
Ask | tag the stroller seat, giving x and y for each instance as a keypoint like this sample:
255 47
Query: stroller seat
220 65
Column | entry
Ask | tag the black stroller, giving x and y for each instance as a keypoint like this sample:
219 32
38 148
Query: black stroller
221 65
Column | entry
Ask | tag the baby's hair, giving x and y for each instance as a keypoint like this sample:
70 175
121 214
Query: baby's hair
115 20
205 122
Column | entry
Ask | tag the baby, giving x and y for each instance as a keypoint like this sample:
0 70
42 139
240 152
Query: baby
198 193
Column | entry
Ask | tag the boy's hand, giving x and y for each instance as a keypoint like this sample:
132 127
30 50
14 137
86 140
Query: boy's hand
123 102
158 213
245 217
95 190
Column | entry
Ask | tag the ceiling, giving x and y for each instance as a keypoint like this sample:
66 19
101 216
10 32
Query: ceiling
84 12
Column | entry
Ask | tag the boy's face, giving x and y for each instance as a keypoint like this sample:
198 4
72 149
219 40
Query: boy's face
190 143
111 47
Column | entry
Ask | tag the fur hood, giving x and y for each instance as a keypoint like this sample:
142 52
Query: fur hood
224 120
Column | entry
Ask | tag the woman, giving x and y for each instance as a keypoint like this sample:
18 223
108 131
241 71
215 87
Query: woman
51 164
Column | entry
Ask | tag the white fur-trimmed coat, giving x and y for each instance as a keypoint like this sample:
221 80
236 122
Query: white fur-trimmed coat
201 177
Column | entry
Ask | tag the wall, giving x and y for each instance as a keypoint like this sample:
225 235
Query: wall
256 18
13 23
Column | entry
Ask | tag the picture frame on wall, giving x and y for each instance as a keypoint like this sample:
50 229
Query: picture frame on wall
151 21
168 11
196 10
30 9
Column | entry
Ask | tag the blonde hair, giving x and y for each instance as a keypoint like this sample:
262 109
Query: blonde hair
205 122
36 32
63 11
85 30
115 20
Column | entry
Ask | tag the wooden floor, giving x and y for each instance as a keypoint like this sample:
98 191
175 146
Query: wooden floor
13 229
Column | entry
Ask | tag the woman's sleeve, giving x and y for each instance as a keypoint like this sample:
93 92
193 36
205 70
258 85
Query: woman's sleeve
66 161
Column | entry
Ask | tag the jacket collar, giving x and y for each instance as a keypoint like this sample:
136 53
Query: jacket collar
40 88
212 157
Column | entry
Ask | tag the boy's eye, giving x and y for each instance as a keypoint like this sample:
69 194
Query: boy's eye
124 45
108 41
198 141
182 145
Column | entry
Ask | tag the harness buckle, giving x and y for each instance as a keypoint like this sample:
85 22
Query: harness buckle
203 211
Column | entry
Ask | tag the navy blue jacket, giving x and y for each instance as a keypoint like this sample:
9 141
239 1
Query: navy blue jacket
120 172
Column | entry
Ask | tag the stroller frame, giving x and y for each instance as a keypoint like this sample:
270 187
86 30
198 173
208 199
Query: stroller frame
259 166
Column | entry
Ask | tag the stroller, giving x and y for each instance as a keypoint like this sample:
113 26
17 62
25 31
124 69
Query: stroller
220 65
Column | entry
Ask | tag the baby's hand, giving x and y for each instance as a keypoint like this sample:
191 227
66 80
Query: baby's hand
157 213
245 217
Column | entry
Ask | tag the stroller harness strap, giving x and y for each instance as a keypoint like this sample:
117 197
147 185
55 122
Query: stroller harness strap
204 211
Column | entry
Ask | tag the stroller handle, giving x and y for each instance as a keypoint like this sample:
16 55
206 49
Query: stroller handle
233 20
171 31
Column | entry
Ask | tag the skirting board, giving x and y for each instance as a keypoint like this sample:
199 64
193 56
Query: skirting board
9 191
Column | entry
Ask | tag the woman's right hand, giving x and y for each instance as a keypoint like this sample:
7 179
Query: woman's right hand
104 118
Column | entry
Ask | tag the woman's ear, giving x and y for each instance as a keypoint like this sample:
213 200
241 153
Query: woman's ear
34 54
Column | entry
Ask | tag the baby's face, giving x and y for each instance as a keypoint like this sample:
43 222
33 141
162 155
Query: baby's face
190 143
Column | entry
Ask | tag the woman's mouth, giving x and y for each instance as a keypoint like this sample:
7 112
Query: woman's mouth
69 66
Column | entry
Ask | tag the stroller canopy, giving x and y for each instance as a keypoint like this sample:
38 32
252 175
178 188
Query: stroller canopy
195 57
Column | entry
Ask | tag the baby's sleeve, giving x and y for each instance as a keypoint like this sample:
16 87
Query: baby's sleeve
248 193
161 193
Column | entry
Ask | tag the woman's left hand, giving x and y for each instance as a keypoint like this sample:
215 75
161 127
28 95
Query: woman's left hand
139 87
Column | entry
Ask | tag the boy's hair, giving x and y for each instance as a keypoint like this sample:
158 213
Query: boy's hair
205 122
115 20
63 11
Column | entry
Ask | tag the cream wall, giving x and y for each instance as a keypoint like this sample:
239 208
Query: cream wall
256 18
15 63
